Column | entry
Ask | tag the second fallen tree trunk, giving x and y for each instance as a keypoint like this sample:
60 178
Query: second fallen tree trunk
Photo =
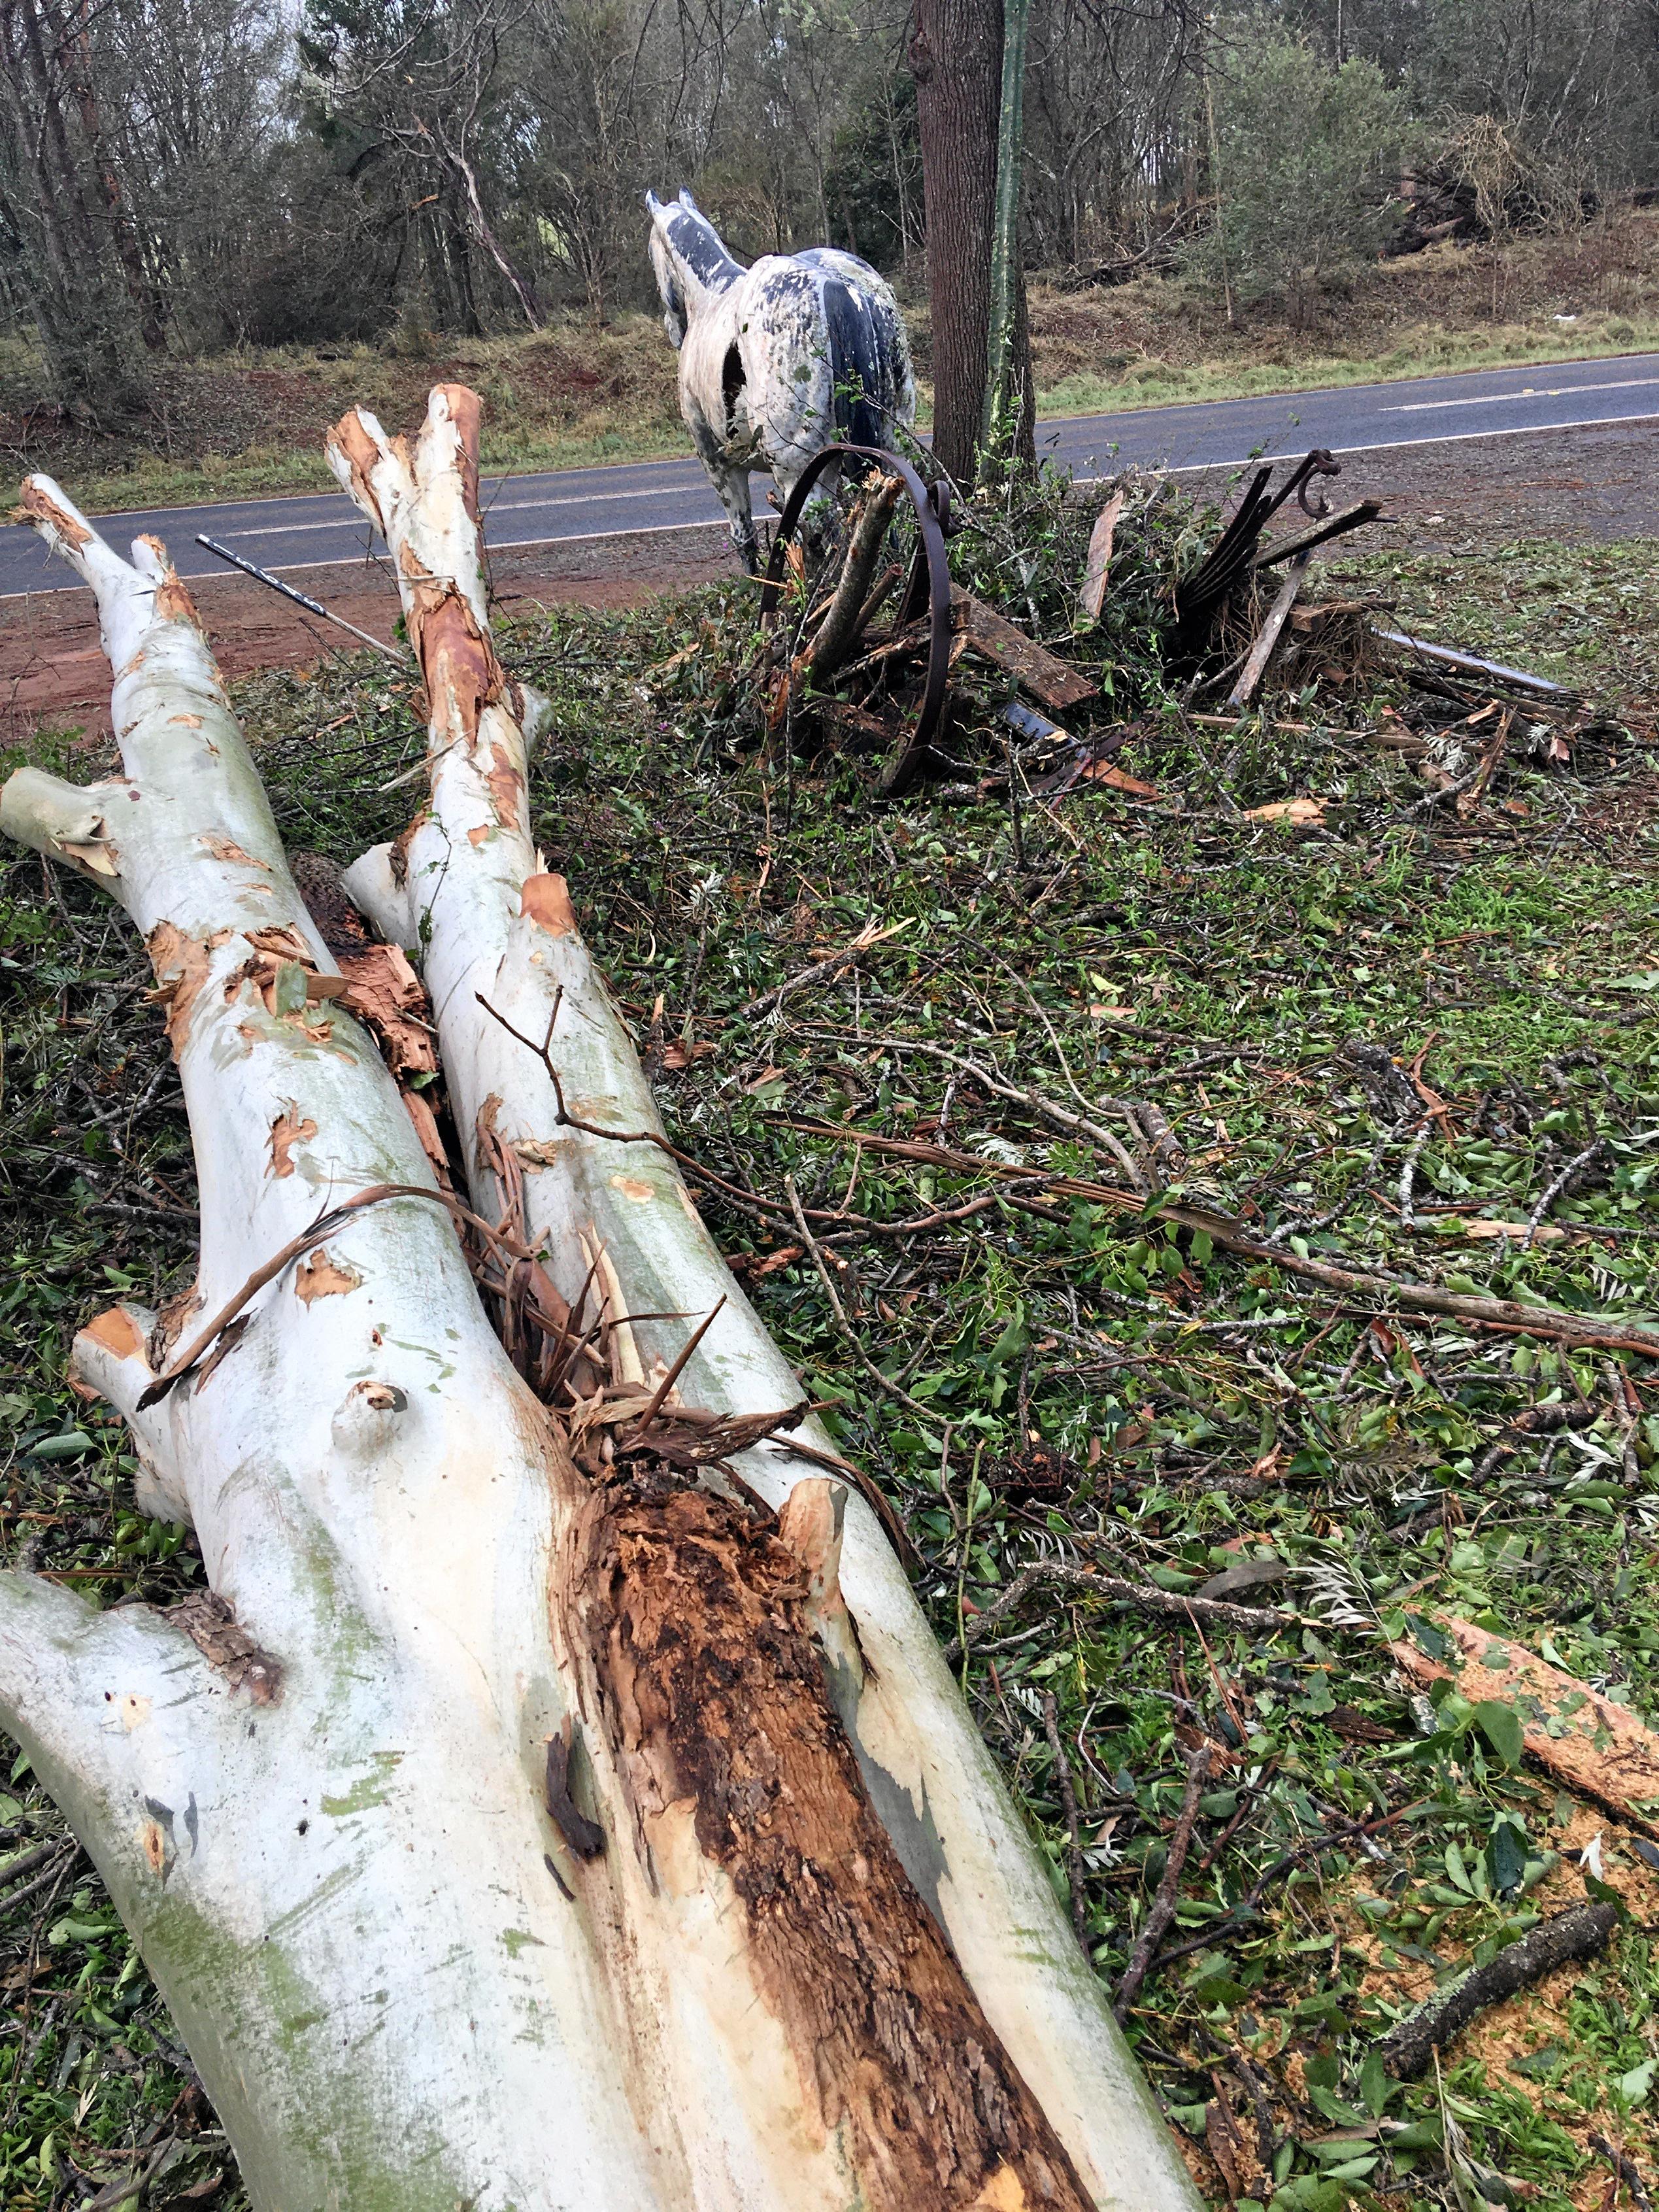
561 1136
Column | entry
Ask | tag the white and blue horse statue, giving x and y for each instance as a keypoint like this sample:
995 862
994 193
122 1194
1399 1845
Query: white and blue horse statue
776 361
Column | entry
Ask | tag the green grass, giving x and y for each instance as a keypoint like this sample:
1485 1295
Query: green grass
1197 1411
1580 615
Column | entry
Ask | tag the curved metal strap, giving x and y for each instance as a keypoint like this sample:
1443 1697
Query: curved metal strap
932 505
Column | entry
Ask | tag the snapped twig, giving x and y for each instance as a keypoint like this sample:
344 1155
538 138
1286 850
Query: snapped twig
1163 1906
1226 1230
1252 1619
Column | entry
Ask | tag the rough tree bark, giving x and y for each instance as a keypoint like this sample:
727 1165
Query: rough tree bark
956 58
515 1851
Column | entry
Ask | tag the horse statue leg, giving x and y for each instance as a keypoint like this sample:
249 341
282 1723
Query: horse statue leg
733 485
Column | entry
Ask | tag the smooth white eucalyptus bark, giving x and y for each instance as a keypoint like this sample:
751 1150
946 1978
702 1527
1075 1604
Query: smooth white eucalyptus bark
467 893
410 1975
342 1892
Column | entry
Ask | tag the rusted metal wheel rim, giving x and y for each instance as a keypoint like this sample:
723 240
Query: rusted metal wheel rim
931 505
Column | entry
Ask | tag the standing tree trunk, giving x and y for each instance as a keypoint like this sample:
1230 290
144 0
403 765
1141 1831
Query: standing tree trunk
956 57
1005 415
554 1837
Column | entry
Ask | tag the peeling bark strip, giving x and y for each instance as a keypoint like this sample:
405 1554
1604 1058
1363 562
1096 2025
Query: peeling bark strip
1570 1730
712 1695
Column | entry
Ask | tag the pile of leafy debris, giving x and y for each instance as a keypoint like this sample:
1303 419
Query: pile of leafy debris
1390 1037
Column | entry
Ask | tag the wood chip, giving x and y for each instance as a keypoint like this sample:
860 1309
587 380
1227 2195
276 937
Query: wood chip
1594 1746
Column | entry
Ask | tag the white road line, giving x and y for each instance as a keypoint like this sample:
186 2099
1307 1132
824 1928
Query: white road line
1185 469
1393 444
355 522
1530 391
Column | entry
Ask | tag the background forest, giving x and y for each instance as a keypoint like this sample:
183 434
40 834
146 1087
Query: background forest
180 178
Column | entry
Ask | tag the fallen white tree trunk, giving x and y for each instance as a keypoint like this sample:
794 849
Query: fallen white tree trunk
505 1850
558 1124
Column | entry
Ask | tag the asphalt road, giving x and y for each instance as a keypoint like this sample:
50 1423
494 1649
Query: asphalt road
315 529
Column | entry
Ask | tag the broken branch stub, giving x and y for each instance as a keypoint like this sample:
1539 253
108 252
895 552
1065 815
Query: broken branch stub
539 1069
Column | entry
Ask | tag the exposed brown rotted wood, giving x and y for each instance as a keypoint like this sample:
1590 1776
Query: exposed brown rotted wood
693 1614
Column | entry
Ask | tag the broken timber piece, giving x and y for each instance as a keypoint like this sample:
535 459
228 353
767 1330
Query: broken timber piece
538 1062
840 627
1266 637
1584 1739
1091 594
1049 680
1578 1932
1450 657
1339 526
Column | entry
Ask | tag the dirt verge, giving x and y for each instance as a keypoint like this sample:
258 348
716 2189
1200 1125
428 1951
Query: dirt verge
53 673
1597 484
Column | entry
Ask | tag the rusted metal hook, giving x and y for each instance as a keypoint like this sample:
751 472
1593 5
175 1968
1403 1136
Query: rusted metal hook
1321 462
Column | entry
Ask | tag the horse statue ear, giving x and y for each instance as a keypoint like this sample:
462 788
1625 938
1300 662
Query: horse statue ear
654 208
687 202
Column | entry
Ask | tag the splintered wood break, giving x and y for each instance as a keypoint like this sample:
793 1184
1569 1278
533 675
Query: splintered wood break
711 1692
36 504
385 993
171 601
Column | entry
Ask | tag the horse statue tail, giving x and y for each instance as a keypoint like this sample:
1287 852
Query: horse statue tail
874 393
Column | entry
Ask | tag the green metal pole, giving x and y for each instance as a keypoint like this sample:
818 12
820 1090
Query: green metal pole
997 420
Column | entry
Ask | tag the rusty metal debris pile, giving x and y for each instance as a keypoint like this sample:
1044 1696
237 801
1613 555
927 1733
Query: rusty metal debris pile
974 648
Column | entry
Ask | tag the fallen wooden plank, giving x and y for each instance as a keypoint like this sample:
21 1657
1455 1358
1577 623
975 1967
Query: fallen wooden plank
1256 667
1043 674
1594 1746
1351 518
1091 596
